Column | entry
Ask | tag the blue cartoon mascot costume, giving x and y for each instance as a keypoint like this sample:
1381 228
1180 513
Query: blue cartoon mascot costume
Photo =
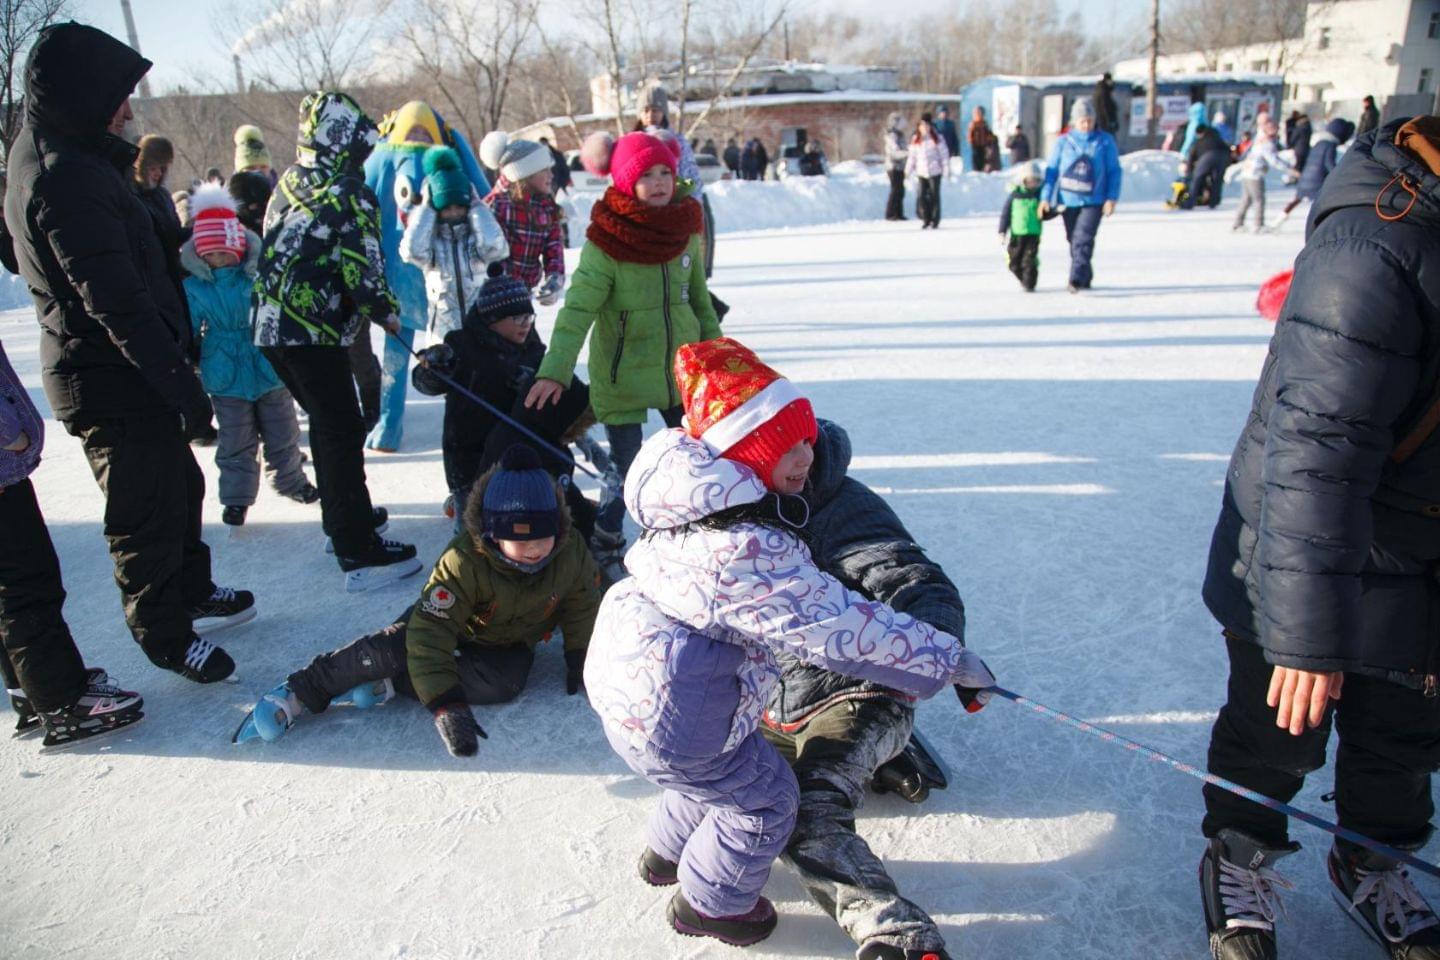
395 171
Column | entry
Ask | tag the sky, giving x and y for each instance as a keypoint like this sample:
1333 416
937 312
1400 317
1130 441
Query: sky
195 43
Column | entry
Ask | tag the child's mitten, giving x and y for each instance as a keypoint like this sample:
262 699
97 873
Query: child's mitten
439 357
458 729
973 681
549 291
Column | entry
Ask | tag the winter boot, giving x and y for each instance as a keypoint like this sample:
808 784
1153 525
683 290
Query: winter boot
609 551
875 950
1240 891
381 518
103 707
382 562
1377 893
233 516
306 494
657 871
202 661
276 713
27 721
224 608
738 931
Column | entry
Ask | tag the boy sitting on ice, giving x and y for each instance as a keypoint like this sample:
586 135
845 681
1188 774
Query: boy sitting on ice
500 589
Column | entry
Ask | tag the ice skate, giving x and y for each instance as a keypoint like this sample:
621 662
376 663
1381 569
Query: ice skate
382 523
1378 894
384 561
224 608
1240 891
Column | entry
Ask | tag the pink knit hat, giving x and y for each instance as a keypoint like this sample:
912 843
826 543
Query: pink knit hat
635 153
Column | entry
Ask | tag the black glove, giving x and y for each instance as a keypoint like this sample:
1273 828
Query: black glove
195 409
440 356
458 729
574 671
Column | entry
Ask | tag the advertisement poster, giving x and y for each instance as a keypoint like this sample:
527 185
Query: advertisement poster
1004 110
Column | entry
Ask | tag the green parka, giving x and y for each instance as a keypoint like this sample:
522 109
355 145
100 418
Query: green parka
637 316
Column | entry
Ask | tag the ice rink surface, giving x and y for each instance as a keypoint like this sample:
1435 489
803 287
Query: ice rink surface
1061 455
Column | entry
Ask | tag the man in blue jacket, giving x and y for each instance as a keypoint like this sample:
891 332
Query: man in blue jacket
1083 181
1323 568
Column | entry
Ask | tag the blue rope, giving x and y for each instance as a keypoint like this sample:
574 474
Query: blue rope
1217 781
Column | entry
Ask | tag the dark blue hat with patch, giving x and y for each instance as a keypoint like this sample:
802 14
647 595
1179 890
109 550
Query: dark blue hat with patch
520 501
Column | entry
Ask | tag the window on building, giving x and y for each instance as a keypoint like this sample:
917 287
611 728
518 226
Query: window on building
1427 79
1324 43
1433 32
1260 66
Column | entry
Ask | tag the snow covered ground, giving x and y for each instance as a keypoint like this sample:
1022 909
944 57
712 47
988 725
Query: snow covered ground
1061 455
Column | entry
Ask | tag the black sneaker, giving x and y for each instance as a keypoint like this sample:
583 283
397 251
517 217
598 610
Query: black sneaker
381 519
233 516
1377 893
224 608
1240 891
738 931
875 950
382 562
103 707
306 494
202 661
657 871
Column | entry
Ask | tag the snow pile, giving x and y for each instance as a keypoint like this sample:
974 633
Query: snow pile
856 191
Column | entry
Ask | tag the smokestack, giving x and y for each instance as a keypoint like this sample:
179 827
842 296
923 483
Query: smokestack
239 76
134 43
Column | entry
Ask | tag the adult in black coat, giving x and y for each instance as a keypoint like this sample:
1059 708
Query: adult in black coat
114 351
1208 157
1323 566
731 156
1107 114
1299 139
836 730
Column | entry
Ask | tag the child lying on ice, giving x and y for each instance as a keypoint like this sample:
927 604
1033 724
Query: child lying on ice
500 589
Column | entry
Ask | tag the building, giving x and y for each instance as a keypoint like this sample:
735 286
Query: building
1041 105
1388 49
845 108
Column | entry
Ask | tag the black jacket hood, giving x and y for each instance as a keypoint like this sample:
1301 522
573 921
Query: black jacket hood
832 462
1369 171
76 77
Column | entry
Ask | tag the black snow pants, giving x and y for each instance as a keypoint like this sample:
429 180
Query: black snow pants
895 203
834 757
154 496
365 368
1025 260
39 656
1389 746
488 674
320 380
1207 180
927 201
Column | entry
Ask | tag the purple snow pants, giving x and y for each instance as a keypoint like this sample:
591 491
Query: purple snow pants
723 819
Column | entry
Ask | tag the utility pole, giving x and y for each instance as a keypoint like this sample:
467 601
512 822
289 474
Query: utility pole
134 43
1152 101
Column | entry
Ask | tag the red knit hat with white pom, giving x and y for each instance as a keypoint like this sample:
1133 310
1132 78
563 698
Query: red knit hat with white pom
215 226
740 408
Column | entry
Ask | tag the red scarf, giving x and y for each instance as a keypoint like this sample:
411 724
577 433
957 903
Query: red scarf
635 232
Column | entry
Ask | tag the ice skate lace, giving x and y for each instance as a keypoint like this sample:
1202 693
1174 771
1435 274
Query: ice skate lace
198 652
222 595
1250 896
1400 910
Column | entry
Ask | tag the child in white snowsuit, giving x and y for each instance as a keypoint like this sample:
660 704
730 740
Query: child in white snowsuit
451 236
1263 154
251 404
682 660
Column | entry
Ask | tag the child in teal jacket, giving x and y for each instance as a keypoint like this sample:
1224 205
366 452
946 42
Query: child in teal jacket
251 404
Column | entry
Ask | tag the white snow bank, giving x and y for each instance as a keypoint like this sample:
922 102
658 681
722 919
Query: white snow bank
854 191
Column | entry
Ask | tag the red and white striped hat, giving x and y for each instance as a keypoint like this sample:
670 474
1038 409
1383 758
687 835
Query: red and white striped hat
215 226
740 408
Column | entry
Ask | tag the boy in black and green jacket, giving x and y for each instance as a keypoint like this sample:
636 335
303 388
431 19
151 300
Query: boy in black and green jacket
499 590
1020 224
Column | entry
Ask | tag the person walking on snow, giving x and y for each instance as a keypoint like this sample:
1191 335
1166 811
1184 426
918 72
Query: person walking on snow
321 279
897 153
1021 224
115 355
1083 180
1322 570
979 134
928 160
1262 155
945 129
682 661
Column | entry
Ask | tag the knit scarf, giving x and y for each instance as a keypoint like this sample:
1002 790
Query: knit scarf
634 232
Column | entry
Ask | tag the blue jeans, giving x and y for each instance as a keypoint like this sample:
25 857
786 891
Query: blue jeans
625 440
1081 225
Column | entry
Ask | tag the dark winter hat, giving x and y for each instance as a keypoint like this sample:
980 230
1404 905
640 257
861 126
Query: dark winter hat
155 151
501 297
251 192
448 184
520 501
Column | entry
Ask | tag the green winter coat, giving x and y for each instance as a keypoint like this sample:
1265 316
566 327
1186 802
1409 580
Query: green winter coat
637 315
474 596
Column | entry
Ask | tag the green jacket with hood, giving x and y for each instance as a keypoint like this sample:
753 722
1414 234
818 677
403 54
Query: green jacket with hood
322 272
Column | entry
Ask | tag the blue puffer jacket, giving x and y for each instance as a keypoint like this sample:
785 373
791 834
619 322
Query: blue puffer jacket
230 363
1078 159
17 415
1327 549
1322 158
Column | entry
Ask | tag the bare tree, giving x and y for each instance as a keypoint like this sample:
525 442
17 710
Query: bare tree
310 44
749 43
1208 26
20 23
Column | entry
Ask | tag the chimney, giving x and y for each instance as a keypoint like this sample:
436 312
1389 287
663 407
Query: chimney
239 76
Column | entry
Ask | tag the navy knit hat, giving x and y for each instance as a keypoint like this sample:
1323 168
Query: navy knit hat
501 297
520 501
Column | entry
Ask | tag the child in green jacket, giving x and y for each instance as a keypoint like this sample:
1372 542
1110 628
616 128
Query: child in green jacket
640 294
1020 224
499 590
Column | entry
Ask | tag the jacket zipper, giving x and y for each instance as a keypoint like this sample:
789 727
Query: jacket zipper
619 347
459 280
669 334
